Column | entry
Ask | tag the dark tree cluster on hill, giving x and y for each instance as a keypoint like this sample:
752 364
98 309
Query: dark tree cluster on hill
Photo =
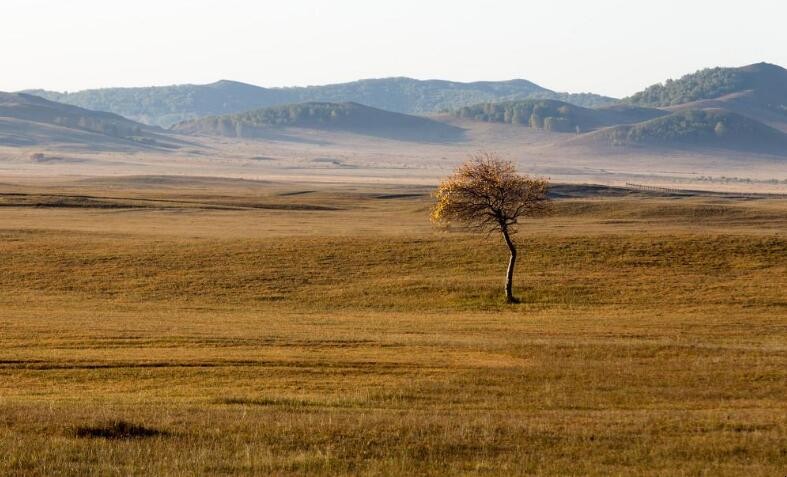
542 114
298 114
325 115
350 117
704 84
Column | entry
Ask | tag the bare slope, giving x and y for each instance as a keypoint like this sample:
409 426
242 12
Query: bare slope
27 120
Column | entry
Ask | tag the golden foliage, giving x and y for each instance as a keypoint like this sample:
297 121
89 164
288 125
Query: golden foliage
487 193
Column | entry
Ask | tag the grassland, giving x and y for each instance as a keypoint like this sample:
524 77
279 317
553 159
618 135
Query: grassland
154 327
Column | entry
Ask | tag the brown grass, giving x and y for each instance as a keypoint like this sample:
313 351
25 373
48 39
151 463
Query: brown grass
651 339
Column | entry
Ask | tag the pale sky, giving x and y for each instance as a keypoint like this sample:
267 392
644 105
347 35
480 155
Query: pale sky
611 47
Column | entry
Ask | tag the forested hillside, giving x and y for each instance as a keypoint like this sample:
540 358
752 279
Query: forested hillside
767 80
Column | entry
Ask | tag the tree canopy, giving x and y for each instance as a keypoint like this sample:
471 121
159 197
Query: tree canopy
487 194
546 114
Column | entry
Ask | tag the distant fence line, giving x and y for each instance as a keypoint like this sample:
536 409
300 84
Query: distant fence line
650 188
654 188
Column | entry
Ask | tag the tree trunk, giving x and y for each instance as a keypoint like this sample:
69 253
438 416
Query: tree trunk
510 273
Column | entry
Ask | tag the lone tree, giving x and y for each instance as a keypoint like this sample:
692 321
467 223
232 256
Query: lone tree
487 194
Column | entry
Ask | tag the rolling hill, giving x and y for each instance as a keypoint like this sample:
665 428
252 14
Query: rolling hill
742 109
27 120
556 116
167 105
707 128
344 117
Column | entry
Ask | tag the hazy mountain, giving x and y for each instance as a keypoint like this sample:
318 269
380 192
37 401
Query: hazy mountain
758 91
168 105
708 128
31 120
556 116
346 117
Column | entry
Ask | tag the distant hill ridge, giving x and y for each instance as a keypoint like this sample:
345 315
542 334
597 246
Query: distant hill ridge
167 105
347 117
741 108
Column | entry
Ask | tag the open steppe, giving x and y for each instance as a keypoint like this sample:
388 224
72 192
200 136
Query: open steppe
155 325
336 156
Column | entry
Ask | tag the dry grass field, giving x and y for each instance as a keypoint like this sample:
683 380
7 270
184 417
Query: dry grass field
154 326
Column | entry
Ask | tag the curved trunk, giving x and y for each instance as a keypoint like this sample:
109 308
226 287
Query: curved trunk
510 272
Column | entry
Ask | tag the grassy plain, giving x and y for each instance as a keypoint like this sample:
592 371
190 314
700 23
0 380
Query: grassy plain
156 326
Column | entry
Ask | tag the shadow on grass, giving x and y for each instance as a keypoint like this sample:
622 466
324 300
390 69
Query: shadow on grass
286 402
116 430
